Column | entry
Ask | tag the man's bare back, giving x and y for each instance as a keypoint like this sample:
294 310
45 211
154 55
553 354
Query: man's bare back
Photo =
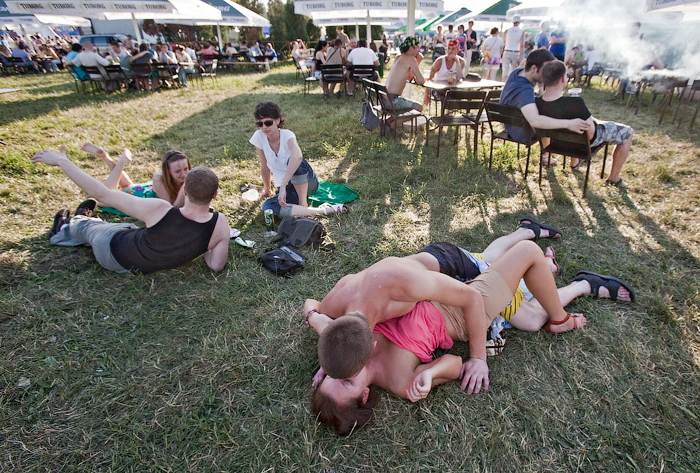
390 288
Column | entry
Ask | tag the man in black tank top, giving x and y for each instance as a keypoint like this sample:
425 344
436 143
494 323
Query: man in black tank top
172 236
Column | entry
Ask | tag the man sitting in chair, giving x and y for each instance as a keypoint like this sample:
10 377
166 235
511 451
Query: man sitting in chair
519 91
361 56
554 104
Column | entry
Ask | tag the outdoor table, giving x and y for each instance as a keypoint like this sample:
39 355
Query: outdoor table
482 84
442 86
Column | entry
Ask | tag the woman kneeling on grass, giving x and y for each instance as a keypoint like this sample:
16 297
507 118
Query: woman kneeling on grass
167 183
281 158
402 358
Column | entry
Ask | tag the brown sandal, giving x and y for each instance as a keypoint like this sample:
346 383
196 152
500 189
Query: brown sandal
548 327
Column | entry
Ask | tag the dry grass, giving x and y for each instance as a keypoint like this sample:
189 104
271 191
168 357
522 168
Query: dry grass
190 370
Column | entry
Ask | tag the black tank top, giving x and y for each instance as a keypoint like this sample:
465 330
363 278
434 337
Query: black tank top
173 241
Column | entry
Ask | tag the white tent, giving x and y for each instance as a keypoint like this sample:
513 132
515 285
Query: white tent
232 14
368 12
672 5
120 9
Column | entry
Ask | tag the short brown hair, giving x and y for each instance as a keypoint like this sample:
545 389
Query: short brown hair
538 58
552 72
270 110
201 184
343 419
345 346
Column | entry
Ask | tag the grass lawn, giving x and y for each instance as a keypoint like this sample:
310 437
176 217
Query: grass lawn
190 370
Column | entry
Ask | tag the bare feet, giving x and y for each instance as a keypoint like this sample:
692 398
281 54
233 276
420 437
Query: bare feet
551 260
94 149
126 156
605 287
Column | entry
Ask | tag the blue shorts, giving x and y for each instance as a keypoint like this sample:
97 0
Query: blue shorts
302 175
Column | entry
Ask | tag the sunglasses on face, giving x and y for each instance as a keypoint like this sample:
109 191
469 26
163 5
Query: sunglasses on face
265 122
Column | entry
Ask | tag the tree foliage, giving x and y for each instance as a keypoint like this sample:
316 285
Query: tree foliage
287 25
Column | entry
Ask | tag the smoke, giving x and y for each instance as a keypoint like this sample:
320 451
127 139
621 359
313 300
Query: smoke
609 27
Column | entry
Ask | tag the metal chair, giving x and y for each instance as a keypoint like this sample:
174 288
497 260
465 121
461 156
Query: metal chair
308 78
333 74
398 117
78 79
360 72
575 145
511 116
457 105
209 70
695 87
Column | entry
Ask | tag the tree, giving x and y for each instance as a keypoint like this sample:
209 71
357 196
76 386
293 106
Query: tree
287 25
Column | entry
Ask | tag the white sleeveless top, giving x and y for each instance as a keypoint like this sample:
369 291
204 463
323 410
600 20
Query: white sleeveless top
442 74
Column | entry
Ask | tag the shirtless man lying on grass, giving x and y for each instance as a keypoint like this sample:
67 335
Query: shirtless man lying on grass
392 287
402 360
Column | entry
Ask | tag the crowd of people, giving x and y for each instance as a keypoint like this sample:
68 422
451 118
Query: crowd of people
53 54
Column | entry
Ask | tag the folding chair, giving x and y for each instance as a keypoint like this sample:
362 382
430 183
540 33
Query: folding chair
78 79
398 116
574 145
333 74
512 116
456 107
308 78
210 70
695 87
360 72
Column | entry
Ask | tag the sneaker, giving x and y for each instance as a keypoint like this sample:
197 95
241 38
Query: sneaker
86 208
619 183
62 217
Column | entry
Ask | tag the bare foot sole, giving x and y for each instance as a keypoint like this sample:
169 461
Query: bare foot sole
570 322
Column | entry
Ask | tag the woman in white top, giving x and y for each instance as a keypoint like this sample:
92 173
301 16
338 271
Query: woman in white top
281 158
492 51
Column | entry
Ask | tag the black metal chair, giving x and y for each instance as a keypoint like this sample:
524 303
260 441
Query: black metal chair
306 75
457 105
333 74
397 117
575 145
78 79
695 87
209 70
361 72
511 116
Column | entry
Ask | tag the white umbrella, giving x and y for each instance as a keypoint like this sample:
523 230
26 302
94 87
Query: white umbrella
369 12
120 9
232 14
672 5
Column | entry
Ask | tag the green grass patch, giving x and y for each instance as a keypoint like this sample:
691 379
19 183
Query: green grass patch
188 370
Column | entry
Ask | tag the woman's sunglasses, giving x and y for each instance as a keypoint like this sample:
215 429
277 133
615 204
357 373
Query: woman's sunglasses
265 122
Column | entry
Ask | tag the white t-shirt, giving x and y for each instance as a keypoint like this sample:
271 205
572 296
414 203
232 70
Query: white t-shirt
90 59
513 39
592 57
276 162
493 44
362 57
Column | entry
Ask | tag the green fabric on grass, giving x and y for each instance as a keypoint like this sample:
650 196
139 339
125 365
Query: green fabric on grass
332 194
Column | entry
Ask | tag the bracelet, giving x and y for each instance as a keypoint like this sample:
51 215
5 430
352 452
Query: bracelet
306 316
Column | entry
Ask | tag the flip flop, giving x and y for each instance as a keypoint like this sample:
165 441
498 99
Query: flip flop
536 226
553 257
548 327
596 280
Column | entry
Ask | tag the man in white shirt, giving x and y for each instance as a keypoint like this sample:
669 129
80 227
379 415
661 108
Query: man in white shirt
361 56
513 51
450 32
89 58
117 52
592 58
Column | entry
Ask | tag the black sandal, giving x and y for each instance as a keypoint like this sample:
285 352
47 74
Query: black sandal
596 280
536 226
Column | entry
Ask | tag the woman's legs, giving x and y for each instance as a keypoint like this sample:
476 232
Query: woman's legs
526 260
114 179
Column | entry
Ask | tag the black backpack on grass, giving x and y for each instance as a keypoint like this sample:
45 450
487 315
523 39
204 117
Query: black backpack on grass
282 261
298 231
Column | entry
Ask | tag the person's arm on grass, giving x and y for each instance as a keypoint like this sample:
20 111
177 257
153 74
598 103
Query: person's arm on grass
217 255
445 368
533 117
292 166
150 211
264 172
